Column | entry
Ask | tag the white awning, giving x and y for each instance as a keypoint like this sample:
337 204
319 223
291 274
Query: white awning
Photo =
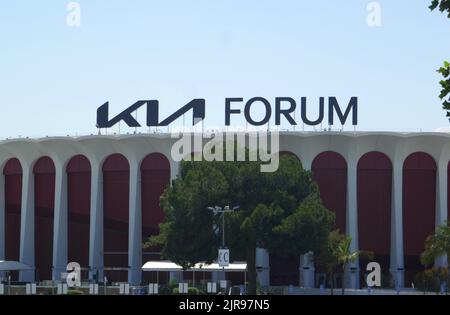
13 266
170 266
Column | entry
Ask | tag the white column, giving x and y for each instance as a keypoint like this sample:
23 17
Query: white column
135 226
2 217
27 224
96 224
307 270
441 205
306 265
352 221
262 263
397 260
60 224
174 171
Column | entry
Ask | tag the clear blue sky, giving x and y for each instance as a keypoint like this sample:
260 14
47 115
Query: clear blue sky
53 77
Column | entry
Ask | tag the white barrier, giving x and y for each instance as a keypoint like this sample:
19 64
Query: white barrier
93 288
212 287
183 287
30 288
2 289
153 288
124 288
62 288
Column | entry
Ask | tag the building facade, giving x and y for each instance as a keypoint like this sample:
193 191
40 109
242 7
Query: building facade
95 199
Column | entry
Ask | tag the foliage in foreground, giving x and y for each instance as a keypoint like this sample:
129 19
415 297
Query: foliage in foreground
279 211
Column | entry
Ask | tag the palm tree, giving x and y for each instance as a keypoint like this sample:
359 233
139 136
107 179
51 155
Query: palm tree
436 245
346 256
337 252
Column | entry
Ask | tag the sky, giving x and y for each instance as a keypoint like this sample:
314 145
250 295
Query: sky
54 76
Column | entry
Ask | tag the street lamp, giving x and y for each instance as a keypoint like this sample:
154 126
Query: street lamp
216 210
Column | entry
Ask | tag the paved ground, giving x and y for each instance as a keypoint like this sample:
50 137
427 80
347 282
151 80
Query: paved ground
406 291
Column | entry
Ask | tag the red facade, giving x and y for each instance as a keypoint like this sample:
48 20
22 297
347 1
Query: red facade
155 177
116 182
78 207
419 206
374 184
44 192
330 172
13 200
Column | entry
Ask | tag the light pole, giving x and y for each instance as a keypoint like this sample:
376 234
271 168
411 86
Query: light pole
216 210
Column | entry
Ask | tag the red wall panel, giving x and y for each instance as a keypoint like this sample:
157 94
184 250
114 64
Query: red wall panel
155 176
284 270
44 194
374 184
13 193
78 201
116 173
419 204
330 173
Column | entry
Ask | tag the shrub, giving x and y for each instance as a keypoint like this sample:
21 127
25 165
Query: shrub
75 292
165 290
427 281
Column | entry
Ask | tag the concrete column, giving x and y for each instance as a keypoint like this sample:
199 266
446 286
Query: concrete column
441 205
174 170
307 270
135 226
2 218
352 221
96 223
27 224
306 265
397 259
60 224
262 267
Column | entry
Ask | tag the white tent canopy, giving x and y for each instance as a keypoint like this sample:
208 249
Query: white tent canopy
13 266
170 266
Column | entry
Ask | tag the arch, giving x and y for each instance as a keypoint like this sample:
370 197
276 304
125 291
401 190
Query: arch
116 182
419 206
78 209
330 173
12 173
283 153
44 200
155 177
374 184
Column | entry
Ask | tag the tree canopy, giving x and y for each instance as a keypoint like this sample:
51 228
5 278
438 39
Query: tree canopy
436 245
441 5
279 211
444 6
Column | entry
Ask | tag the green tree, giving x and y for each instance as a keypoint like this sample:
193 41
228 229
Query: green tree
445 85
338 253
436 245
441 5
280 211
444 6
327 256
